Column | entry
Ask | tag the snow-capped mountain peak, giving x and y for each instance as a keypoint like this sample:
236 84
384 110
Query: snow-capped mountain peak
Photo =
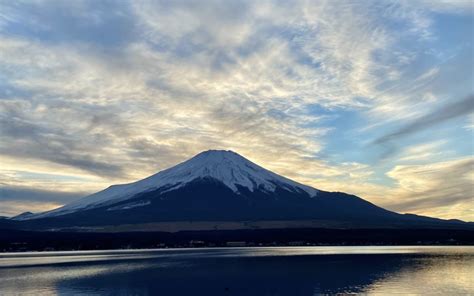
227 167
231 169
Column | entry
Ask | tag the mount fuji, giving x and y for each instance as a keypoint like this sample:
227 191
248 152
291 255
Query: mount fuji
219 189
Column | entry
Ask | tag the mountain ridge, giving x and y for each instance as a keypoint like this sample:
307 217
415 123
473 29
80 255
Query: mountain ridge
219 186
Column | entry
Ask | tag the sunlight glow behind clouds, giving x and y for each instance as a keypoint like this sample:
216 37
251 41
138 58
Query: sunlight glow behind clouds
115 91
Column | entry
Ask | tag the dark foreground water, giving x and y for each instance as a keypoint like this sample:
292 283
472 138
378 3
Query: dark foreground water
242 271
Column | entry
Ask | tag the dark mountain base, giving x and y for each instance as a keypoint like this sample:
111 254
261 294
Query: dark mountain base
208 200
14 240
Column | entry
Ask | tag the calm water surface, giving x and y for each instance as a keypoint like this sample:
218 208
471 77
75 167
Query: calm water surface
242 271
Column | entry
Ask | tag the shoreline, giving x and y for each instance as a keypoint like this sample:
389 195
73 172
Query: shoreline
24 241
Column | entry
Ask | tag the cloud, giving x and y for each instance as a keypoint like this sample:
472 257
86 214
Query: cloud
446 188
23 138
9 193
57 22
445 6
424 152
470 123
444 113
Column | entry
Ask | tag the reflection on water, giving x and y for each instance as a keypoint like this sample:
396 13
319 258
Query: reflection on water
242 271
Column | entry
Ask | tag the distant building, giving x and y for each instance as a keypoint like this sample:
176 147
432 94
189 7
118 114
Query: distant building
197 243
236 244
296 243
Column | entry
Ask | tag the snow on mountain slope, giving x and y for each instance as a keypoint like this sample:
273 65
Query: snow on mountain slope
227 167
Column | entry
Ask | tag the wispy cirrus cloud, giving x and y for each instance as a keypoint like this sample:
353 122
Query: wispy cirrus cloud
444 187
444 113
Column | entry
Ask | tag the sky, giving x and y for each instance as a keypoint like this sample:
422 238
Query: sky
373 98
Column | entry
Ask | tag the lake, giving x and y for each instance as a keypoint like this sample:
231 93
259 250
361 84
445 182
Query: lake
242 271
